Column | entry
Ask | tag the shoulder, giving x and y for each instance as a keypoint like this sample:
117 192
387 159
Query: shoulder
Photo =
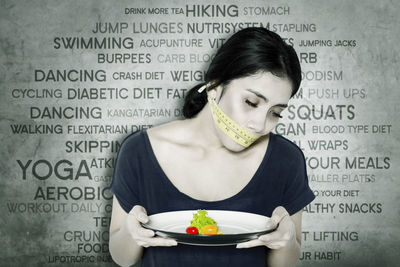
287 149
133 138
132 143
174 132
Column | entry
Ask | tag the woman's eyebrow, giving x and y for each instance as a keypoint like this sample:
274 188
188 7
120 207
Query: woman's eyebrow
264 98
281 105
258 94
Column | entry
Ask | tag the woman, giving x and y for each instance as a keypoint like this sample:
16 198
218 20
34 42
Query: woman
197 164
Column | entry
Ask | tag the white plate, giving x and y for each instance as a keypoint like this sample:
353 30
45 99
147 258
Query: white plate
237 227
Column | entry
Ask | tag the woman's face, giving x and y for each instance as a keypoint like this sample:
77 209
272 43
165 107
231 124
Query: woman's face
254 102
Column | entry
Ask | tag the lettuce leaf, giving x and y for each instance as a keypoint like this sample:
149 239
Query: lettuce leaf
201 219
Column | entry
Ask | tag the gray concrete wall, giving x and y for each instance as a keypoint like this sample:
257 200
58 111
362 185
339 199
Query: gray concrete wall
55 168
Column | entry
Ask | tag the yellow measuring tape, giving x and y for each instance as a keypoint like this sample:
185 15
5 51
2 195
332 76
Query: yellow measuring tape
239 134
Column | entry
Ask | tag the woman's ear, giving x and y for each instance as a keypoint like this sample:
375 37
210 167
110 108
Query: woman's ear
215 92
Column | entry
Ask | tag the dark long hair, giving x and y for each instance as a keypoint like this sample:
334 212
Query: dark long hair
245 53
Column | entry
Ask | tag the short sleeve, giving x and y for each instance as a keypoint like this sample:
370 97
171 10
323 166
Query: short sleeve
125 182
297 193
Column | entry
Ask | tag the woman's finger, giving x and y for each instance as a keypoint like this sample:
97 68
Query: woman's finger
275 237
278 214
143 232
273 242
136 229
284 232
156 241
145 237
275 246
140 214
250 244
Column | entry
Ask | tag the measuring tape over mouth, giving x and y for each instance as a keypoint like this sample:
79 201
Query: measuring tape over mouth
238 134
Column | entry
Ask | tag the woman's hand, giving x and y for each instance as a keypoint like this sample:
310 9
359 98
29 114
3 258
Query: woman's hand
144 237
281 237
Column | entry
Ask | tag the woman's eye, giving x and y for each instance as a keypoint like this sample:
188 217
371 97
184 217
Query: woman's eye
254 105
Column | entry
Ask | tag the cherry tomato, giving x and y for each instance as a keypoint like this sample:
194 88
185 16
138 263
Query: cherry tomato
209 230
191 230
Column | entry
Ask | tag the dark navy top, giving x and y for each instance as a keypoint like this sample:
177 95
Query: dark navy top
280 180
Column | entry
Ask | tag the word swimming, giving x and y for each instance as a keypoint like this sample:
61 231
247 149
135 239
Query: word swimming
93 43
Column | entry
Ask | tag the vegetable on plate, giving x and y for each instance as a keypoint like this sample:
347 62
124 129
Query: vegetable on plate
203 225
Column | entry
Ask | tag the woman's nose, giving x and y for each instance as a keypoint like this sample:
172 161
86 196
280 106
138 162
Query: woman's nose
257 126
